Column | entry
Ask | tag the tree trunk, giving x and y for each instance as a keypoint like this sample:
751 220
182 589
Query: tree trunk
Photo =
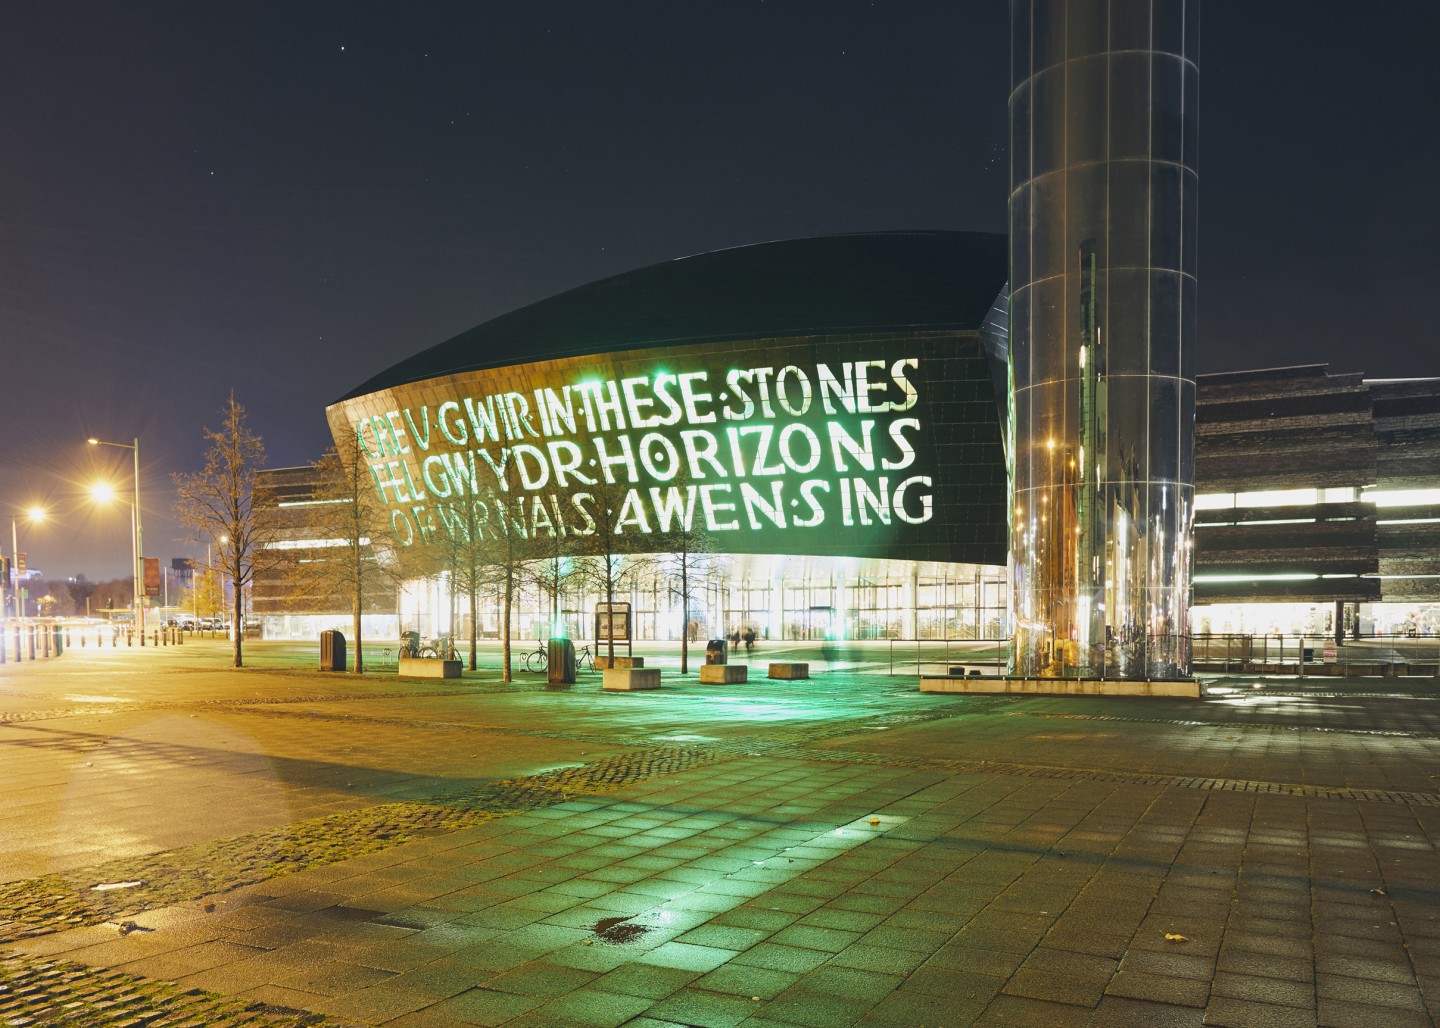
610 608
237 625
355 628
684 615
474 615
505 627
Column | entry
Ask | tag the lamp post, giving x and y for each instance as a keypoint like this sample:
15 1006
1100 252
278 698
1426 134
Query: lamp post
135 539
33 515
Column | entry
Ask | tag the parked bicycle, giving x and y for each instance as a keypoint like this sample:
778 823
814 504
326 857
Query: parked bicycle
538 659
442 647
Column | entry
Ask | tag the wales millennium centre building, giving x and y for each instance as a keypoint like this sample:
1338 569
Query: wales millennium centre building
925 434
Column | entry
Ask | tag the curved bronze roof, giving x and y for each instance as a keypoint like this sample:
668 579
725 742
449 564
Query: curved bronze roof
863 282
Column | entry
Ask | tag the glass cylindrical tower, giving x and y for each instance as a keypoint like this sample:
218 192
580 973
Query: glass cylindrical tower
1102 331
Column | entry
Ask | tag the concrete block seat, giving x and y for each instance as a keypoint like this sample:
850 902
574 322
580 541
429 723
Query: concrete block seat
429 667
789 672
631 679
723 674
603 663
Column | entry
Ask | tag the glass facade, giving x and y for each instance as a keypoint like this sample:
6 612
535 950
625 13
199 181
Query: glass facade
1102 324
789 598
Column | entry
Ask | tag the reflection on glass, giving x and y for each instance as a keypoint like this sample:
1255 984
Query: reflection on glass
1102 320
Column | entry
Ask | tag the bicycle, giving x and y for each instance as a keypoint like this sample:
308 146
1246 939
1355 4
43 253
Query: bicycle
538 659
442 648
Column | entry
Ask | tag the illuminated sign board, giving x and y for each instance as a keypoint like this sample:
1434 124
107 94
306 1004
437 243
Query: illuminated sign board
803 446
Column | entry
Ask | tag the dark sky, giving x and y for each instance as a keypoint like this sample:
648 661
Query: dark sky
284 198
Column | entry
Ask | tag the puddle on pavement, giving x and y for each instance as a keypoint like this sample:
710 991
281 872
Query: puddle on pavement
619 930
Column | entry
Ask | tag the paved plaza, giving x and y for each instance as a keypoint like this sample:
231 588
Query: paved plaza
187 844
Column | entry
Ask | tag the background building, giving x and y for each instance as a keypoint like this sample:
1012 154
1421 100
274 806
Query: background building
286 605
1318 503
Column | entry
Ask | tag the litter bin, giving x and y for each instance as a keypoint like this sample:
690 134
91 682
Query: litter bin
332 651
562 662
717 651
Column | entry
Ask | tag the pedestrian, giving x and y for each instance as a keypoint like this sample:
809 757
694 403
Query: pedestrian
749 639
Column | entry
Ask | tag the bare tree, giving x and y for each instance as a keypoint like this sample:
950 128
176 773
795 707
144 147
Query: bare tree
353 565
219 502
552 573
610 561
688 555
508 555
457 549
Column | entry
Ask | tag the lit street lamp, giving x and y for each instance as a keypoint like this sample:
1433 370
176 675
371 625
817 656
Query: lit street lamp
34 515
138 549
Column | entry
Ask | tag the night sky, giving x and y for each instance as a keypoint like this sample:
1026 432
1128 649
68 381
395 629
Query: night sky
285 198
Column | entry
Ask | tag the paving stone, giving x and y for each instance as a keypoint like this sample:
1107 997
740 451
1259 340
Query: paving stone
483 1006
1015 1010
1339 1013
697 1007
1372 993
1123 1012
1240 1013
1187 992
649 980
594 1007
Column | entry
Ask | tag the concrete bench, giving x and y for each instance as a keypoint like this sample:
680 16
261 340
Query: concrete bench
789 672
723 674
429 667
627 679
603 663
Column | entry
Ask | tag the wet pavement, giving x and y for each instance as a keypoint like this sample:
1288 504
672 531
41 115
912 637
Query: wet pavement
283 846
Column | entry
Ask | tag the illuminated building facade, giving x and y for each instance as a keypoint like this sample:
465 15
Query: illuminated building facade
1317 505
824 413
1102 321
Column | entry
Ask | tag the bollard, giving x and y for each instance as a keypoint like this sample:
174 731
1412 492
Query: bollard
44 642
180 636
130 637
31 635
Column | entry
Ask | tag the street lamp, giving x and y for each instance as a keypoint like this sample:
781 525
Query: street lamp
138 549
34 515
